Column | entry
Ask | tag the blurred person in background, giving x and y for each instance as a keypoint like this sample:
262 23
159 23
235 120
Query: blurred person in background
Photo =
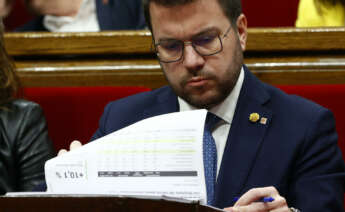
84 15
320 13
24 142
5 7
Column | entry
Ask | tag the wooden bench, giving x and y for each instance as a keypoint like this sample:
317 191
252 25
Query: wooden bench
276 55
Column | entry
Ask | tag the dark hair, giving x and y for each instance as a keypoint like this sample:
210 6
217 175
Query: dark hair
8 79
231 8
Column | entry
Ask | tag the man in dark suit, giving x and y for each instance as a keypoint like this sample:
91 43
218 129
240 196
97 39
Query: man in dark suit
269 144
109 14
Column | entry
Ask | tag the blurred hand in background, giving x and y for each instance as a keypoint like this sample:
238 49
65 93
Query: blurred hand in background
54 7
5 7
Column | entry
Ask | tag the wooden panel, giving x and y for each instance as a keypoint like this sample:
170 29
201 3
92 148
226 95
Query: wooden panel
47 43
89 203
91 73
275 55
296 39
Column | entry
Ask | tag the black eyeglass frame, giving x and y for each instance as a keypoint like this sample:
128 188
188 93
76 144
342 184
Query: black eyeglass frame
155 45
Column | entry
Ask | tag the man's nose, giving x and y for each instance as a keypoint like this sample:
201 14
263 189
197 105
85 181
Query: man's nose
192 60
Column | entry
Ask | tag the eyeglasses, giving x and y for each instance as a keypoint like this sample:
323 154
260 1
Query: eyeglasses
206 44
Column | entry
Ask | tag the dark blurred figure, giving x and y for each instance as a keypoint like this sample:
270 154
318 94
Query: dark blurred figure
85 15
321 13
24 142
15 14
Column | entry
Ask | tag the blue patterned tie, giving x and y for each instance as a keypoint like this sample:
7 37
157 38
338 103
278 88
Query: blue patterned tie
210 156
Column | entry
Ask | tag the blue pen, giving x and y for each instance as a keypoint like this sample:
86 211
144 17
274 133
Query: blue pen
264 199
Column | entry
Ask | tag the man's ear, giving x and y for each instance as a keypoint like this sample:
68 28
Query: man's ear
242 30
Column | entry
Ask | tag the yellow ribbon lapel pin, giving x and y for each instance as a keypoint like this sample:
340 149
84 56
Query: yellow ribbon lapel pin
254 117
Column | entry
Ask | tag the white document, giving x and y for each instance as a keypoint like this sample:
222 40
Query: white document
158 156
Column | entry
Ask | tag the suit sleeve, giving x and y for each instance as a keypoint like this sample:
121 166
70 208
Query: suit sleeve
101 131
318 180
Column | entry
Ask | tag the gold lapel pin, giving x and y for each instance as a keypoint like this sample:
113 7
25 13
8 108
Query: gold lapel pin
254 117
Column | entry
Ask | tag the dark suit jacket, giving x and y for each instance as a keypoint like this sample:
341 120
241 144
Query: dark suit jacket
296 150
116 15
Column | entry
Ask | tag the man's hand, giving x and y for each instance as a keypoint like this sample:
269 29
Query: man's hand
55 7
74 145
248 202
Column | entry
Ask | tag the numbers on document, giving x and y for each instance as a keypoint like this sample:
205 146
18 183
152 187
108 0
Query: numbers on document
69 175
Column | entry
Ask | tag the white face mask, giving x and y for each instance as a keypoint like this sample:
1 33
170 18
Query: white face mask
84 21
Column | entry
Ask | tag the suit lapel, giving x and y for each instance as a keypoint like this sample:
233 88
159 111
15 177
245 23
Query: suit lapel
244 140
119 14
109 15
103 15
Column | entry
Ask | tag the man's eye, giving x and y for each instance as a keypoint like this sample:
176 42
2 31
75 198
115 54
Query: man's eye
204 40
171 46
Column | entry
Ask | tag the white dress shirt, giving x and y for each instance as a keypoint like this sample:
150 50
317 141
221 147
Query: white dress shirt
84 21
226 111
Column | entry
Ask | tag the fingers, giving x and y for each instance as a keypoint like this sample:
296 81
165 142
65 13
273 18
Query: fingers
249 201
230 209
257 193
62 151
254 207
74 145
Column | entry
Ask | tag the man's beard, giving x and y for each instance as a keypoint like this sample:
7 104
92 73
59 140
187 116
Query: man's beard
223 86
